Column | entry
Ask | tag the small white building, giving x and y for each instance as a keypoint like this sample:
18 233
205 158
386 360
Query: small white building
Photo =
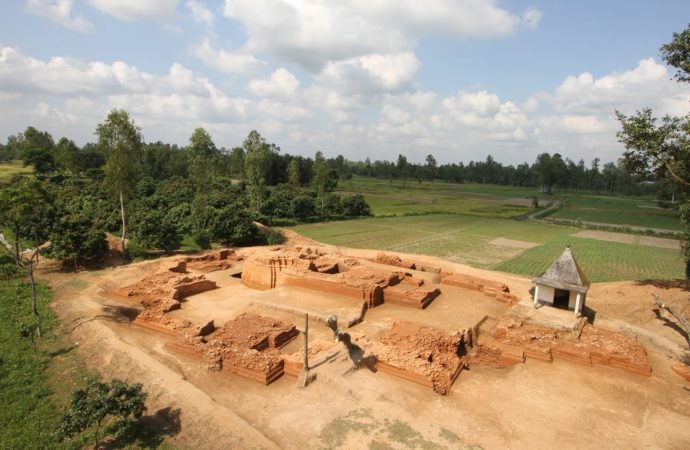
563 285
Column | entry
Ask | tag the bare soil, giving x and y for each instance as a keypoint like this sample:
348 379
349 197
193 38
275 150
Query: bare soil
533 405
626 238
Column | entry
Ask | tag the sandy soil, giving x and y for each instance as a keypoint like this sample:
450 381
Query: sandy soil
626 238
512 243
533 405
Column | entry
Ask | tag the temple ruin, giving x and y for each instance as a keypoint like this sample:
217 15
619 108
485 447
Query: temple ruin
263 348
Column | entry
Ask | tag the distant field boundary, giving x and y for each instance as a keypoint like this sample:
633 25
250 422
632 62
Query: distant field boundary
629 229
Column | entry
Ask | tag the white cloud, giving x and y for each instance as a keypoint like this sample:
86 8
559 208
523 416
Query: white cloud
363 106
313 33
281 83
131 10
60 12
644 85
371 74
530 18
233 62
200 13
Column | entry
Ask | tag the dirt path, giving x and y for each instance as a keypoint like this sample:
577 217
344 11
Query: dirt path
534 405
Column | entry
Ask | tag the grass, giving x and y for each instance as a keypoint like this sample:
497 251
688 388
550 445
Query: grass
467 239
628 211
484 200
380 434
7 170
28 417
388 199
37 379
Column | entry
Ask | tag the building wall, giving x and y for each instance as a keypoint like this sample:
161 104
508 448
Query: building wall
546 293
572 301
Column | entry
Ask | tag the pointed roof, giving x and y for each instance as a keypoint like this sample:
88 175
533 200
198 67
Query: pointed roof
565 272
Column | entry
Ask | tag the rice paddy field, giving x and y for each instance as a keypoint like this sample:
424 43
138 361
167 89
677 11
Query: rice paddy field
627 211
475 224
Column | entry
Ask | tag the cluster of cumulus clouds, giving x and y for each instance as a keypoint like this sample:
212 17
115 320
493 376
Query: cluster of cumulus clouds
354 86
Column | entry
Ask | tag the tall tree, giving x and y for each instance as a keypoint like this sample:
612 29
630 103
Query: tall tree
431 167
257 162
294 173
202 155
663 149
321 174
24 213
402 168
121 141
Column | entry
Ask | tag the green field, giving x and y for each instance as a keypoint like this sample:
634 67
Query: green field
467 239
7 170
387 199
617 210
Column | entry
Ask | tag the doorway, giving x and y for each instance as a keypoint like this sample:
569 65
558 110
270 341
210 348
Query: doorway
561 299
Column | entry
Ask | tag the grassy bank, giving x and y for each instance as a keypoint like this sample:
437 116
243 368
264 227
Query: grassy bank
37 380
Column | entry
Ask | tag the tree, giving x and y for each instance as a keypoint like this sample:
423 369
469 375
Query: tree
320 179
294 173
402 168
76 234
663 149
121 140
24 212
67 156
98 401
202 155
431 167
256 166
36 149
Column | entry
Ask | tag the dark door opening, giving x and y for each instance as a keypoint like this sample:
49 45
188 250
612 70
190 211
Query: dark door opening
561 299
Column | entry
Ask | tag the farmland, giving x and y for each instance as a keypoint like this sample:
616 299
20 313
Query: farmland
626 211
388 198
473 224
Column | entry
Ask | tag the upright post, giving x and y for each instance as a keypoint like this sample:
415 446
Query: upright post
306 342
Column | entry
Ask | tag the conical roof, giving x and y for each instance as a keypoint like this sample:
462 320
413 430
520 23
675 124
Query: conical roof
565 270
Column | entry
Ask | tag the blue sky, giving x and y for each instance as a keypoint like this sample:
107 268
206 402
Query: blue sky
459 79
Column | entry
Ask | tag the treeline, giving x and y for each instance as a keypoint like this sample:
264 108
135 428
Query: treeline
546 173
154 195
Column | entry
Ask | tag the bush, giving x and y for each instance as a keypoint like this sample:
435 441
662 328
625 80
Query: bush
355 206
275 237
98 401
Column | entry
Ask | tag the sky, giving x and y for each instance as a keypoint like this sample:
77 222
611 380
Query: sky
458 79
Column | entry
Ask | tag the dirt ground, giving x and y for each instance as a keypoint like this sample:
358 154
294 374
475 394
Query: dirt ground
531 405
626 238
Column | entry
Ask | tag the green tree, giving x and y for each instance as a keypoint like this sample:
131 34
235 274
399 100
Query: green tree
121 141
98 401
402 168
77 234
202 155
662 147
67 156
431 167
24 210
294 173
256 165
36 149
320 180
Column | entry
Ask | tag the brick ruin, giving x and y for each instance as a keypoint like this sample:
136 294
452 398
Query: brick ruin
161 293
212 261
421 354
311 269
250 345
247 346
515 341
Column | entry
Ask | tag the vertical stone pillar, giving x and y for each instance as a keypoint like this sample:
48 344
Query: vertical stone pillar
536 295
